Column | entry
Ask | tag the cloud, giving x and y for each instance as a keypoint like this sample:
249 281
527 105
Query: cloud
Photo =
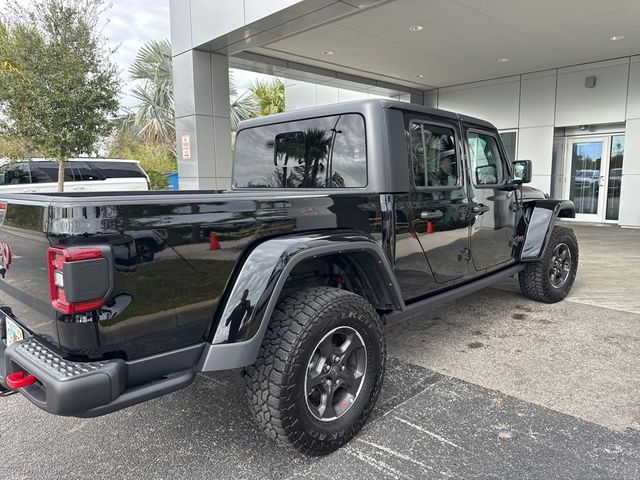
129 24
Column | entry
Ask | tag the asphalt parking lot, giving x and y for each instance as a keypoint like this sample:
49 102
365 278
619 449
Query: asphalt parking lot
492 386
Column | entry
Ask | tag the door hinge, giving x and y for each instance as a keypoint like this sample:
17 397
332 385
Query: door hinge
464 254
516 240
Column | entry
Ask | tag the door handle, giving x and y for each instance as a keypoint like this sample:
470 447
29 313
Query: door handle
431 215
479 208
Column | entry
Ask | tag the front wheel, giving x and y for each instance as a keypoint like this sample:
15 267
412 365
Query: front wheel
319 370
550 278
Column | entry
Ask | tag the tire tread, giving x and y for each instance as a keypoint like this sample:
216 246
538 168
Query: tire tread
533 280
270 400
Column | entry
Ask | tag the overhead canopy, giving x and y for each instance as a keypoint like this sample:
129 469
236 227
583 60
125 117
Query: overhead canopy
454 42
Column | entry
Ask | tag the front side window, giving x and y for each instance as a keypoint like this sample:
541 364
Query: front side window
433 155
15 174
327 152
487 167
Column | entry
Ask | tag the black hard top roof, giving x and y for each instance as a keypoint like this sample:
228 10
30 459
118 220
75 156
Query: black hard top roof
358 105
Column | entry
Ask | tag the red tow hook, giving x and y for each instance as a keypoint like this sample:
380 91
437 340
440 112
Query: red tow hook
18 380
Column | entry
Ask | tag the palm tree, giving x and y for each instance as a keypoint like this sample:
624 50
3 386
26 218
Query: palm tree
153 118
269 96
243 106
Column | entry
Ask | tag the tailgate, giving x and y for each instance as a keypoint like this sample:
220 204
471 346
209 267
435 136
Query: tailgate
23 252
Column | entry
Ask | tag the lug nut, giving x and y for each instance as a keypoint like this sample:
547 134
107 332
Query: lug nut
342 368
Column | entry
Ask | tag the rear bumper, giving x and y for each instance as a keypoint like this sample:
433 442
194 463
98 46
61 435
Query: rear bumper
89 389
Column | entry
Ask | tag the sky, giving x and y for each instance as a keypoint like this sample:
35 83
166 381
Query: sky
131 23
128 25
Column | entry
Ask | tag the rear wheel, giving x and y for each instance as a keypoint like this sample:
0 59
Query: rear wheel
550 279
319 370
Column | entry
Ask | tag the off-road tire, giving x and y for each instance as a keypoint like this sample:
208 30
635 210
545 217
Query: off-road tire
535 281
276 382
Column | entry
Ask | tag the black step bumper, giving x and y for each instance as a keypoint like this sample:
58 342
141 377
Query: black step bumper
89 389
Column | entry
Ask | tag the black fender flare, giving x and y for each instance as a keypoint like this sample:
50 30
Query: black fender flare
535 224
255 288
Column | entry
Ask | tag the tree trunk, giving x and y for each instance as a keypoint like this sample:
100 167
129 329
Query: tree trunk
61 176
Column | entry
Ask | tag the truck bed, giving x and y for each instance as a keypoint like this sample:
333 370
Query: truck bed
173 254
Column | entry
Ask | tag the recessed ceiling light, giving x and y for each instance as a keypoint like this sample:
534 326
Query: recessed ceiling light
327 52
419 75
416 28
615 38
503 59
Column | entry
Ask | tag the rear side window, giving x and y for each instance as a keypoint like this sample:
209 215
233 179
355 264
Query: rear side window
47 172
487 167
326 152
433 155
82 171
118 169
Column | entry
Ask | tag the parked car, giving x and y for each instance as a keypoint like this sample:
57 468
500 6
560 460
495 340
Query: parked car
80 175
342 220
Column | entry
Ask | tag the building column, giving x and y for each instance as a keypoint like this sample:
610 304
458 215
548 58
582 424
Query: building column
629 215
203 126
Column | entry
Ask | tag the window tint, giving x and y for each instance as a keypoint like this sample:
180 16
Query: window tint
15 174
433 155
328 152
486 163
509 143
71 173
82 171
117 169
44 172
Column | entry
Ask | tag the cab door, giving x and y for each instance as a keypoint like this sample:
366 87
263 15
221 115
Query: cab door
492 203
438 199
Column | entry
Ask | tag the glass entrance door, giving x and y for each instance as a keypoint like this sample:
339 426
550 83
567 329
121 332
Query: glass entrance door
593 177
614 178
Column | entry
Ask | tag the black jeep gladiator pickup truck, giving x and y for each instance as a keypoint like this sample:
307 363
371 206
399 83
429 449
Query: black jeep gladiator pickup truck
342 219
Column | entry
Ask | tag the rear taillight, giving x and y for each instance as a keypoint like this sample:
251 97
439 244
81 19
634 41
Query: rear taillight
57 258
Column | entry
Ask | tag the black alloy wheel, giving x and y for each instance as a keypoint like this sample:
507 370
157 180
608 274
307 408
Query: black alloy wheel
335 373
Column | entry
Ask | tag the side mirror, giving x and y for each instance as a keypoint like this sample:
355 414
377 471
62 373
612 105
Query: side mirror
522 171
486 175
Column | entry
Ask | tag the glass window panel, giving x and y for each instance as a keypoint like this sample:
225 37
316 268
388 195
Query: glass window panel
486 163
327 152
586 158
615 177
15 174
44 172
433 155
509 143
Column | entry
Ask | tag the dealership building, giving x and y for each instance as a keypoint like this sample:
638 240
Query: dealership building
559 79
